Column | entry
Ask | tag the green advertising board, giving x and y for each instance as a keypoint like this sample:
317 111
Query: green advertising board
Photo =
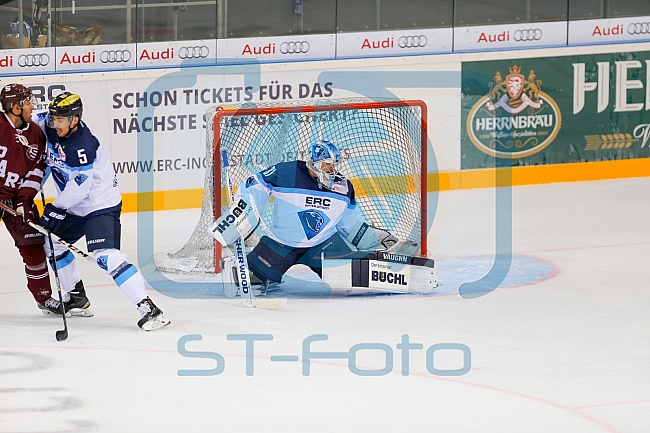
555 110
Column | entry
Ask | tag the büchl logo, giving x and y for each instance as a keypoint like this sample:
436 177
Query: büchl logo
515 119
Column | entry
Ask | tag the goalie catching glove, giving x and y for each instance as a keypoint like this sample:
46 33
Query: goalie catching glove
368 238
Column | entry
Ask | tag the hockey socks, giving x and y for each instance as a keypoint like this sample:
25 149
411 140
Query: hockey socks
68 273
38 280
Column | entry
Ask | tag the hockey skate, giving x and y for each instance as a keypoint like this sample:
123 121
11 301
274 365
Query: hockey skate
79 304
258 286
53 307
152 316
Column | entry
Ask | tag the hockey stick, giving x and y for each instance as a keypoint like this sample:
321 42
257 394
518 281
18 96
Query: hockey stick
41 229
248 298
62 334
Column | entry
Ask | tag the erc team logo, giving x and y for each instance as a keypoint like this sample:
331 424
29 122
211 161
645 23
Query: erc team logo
515 119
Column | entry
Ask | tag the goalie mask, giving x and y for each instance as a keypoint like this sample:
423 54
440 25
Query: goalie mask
323 160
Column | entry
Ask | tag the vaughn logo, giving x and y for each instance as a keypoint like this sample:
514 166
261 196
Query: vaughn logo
515 119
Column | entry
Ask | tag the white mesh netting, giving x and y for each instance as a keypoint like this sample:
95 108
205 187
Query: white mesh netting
381 144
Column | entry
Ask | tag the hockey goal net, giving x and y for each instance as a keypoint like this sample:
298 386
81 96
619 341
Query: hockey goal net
383 147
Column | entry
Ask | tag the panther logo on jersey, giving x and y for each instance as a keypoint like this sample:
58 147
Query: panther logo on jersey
312 222
102 262
80 178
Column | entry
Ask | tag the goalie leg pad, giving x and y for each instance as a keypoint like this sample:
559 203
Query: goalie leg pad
229 272
399 274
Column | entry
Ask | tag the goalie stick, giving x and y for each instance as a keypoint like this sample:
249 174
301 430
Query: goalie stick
248 298
41 229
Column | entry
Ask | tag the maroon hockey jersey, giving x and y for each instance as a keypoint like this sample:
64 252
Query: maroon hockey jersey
22 163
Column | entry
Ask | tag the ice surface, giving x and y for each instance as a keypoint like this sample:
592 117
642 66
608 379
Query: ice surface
560 346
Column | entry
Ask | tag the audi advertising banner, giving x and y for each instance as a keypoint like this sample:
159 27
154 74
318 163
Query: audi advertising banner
392 43
555 110
170 54
95 57
508 36
166 108
27 61
635 29
278 48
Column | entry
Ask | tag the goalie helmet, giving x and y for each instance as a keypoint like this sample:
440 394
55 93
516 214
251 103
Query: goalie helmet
65 104
15 93
323 159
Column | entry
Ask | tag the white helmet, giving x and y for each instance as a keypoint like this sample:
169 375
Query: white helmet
323 159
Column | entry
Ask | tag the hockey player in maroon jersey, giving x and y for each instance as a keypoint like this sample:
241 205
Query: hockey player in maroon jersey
22 165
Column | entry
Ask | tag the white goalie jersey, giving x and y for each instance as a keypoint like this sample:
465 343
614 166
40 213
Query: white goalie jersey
304 214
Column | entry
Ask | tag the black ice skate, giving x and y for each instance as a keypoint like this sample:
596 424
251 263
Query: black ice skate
152 316
79 304
53 307
259 287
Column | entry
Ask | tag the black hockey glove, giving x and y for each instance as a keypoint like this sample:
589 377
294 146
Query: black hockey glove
52 217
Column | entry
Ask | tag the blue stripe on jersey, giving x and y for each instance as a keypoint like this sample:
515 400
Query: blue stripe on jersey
63 260
124 274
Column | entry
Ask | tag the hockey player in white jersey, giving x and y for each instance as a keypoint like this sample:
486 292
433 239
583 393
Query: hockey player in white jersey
88 204
314 211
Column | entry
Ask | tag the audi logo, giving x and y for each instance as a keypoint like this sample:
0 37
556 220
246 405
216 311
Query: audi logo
115 56
298 47
418 41
528 35
638 28
195 52
28 60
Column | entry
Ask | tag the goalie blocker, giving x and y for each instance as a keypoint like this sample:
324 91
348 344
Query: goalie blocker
380 272
235 223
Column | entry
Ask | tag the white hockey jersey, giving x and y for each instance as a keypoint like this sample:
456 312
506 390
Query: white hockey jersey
304 214
82 172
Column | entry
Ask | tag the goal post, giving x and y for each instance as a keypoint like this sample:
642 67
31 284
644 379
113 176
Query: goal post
383 146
